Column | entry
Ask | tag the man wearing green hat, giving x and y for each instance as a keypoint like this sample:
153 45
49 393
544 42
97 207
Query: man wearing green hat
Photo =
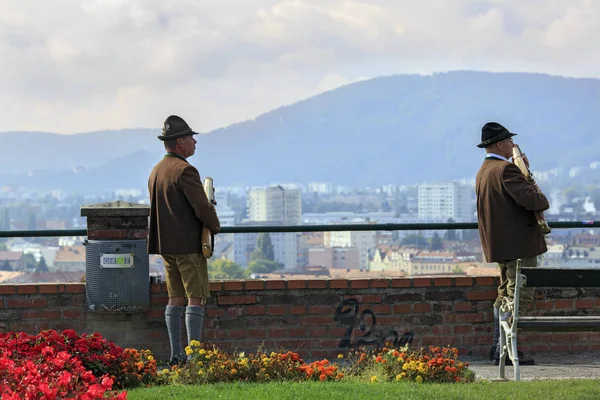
508 228
179 210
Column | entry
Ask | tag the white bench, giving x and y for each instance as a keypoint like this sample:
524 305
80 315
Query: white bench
542 277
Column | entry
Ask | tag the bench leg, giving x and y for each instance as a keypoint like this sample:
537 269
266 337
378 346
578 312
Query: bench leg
509 317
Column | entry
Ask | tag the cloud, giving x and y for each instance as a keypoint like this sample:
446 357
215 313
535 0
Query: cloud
71 66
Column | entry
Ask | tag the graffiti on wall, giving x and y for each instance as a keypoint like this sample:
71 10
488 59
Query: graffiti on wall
347 314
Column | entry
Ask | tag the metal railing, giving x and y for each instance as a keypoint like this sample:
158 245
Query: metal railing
311 228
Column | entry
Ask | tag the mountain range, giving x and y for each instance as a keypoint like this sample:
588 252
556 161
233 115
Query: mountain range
401 129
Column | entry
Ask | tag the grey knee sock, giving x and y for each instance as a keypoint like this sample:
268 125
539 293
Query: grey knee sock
194 317
173 317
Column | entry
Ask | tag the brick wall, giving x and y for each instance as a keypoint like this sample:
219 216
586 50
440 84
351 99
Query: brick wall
313 317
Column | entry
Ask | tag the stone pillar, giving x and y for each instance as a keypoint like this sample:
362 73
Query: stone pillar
117 277
116 220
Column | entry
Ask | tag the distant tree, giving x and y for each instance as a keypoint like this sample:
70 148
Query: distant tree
225 269
3 247
415 240
450 233
5 266
469 234
436 242
263 267
264 248
30 262
41 266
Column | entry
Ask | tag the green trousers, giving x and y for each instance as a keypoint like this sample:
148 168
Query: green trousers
508 275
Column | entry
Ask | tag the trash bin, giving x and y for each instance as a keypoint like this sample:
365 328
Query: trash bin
117 267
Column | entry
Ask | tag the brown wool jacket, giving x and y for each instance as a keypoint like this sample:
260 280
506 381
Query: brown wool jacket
506 202
179 208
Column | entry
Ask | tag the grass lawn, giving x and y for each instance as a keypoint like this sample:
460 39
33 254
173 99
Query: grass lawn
535 390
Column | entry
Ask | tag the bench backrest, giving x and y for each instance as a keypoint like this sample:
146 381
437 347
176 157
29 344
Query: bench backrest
562 277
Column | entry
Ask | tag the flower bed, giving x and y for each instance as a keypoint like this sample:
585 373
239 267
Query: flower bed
207 364
64 364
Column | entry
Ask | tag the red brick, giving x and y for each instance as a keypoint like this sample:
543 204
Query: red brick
255 285
458 307
215 286
297 310
442 330
277 333
228 300
257 333
8 289
463 281
275 284
379 283
422 282
297 332
235 312
543 305
462 329
296 284
559 349
154 288
26 289
255 310
401 308
328 343
473 340
233 285
320 310
370 298
237 333
584 303
359 283
46 288
276 310
564 304
159 301
317 332
463 318
422 307
488 295
484 280
338 283
53 314
26 303
403 282
74 288
381 308
315 320
442 281
31 315
317 284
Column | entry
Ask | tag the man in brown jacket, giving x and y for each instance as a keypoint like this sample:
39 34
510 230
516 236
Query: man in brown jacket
508 228
179 210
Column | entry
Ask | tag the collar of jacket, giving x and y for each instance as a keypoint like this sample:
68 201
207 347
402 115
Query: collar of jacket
172 154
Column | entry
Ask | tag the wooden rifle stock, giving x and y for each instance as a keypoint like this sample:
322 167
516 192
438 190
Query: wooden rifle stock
207 238
519 162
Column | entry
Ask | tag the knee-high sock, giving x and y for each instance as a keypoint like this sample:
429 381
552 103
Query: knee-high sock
194 318
173 318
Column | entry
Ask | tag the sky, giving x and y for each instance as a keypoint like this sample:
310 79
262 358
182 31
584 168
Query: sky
78 66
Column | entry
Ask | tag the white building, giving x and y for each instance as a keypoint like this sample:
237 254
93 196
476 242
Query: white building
363 241
439 202
274 203
285 247
320 187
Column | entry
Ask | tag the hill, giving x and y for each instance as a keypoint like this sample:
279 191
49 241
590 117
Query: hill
401 129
